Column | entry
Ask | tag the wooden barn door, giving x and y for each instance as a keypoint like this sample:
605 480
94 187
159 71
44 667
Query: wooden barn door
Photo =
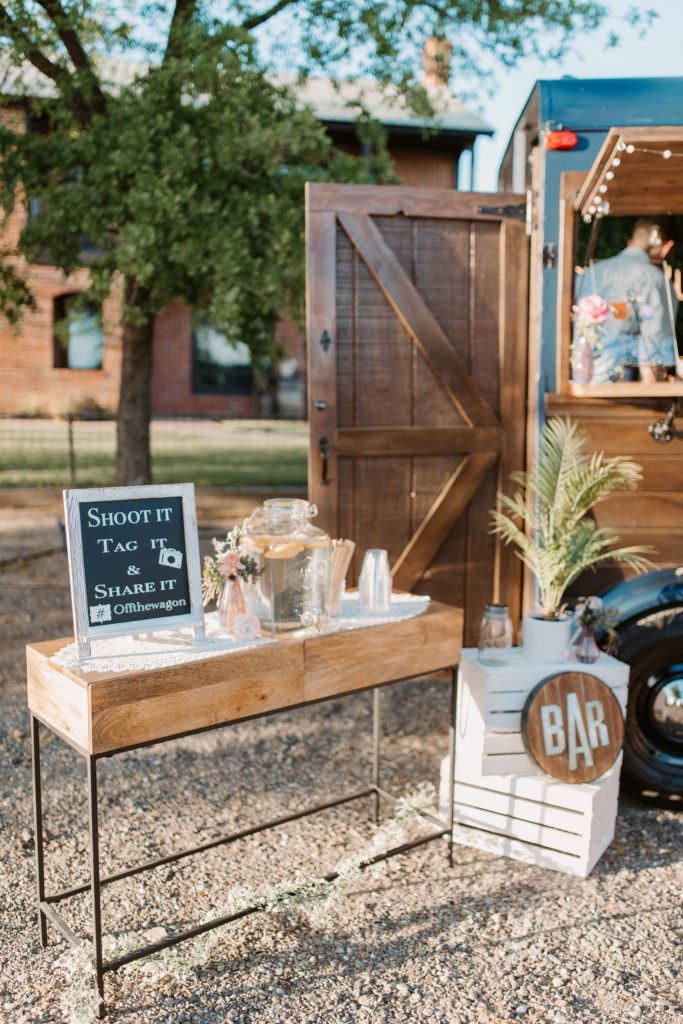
416 332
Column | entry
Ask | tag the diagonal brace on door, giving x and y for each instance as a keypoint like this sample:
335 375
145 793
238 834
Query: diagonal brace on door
421 324
439 521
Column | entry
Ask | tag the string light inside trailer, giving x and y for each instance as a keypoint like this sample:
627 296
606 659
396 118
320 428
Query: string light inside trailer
599 206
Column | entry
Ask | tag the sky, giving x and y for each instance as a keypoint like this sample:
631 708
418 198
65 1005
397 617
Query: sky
659 52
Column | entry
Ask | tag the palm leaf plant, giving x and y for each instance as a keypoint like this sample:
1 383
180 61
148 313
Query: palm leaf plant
548 519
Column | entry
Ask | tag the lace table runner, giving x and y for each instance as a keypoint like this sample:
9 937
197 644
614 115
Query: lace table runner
178 647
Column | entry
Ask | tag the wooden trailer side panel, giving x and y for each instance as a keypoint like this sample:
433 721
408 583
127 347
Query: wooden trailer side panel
652 515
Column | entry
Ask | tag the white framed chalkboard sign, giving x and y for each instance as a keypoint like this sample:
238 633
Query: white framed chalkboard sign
134 561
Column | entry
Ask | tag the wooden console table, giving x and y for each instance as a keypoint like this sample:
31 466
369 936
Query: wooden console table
100 714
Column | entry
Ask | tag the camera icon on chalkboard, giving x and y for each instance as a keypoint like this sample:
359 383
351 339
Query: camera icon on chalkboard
171 557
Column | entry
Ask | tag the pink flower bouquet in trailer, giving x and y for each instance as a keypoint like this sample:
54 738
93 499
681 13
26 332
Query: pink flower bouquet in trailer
589 313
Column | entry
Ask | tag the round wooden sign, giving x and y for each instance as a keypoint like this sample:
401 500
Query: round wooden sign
573 727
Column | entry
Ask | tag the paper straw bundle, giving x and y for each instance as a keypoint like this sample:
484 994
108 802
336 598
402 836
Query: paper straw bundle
342 552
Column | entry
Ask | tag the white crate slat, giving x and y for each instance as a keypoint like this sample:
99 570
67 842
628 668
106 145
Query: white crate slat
518 828
506 677
504 721
549 815
505 700
539 788
491 699
526 853
505 743
498 764
510 719
542 788
535 819
502 734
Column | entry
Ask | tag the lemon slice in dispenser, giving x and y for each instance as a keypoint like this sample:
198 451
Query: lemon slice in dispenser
290 550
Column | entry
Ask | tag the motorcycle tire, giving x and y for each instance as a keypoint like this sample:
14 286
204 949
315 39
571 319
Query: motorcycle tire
653 740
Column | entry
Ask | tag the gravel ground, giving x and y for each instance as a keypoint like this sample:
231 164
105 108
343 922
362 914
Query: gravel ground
490 940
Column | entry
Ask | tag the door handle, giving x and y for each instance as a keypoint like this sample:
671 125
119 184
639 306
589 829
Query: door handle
322 444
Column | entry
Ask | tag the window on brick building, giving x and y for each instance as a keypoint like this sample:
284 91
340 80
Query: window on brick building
219 366
77 334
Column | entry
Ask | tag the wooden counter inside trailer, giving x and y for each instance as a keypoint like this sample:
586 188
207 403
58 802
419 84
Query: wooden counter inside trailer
652 515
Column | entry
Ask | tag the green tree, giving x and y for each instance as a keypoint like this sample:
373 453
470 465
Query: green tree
187 181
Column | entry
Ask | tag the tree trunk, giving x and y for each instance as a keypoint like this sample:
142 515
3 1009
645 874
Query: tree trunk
133 463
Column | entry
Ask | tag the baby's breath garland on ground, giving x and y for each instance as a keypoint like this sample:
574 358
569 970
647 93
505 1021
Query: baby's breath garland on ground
315 899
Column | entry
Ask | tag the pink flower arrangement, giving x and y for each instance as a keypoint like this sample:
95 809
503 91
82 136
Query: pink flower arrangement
591 310
226 564
229 564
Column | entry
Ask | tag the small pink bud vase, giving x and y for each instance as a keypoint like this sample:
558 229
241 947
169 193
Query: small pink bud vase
231 603
586 649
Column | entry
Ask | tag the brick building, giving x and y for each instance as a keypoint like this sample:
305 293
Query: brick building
195 371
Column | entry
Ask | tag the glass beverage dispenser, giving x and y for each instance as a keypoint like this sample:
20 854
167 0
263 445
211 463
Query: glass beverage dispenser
289 588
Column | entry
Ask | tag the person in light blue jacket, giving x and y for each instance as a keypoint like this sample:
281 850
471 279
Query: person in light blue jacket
640 328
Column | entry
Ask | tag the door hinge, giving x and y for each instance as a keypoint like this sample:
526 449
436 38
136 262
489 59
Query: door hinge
549 255
513 211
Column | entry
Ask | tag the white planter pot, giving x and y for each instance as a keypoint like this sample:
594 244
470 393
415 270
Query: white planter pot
546 639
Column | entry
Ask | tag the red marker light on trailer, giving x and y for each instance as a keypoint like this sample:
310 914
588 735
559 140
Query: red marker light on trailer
560 140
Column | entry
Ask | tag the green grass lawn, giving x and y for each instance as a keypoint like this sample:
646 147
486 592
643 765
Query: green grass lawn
230 453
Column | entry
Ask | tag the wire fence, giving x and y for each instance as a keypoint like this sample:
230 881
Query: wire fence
208 453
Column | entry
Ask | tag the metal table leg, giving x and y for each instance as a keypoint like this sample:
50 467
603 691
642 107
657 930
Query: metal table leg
451 761
38 827
376 733
95 881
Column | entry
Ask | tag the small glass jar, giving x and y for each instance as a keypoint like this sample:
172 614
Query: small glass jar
495 635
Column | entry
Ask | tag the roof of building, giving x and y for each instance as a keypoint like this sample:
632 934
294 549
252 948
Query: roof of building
334 102
337 101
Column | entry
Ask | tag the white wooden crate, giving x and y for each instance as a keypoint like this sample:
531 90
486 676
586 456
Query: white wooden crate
534 818
490 702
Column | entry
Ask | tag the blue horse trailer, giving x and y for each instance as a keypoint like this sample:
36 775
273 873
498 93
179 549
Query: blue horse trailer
584 151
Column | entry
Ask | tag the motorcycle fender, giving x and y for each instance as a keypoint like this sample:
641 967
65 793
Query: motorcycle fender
649 592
